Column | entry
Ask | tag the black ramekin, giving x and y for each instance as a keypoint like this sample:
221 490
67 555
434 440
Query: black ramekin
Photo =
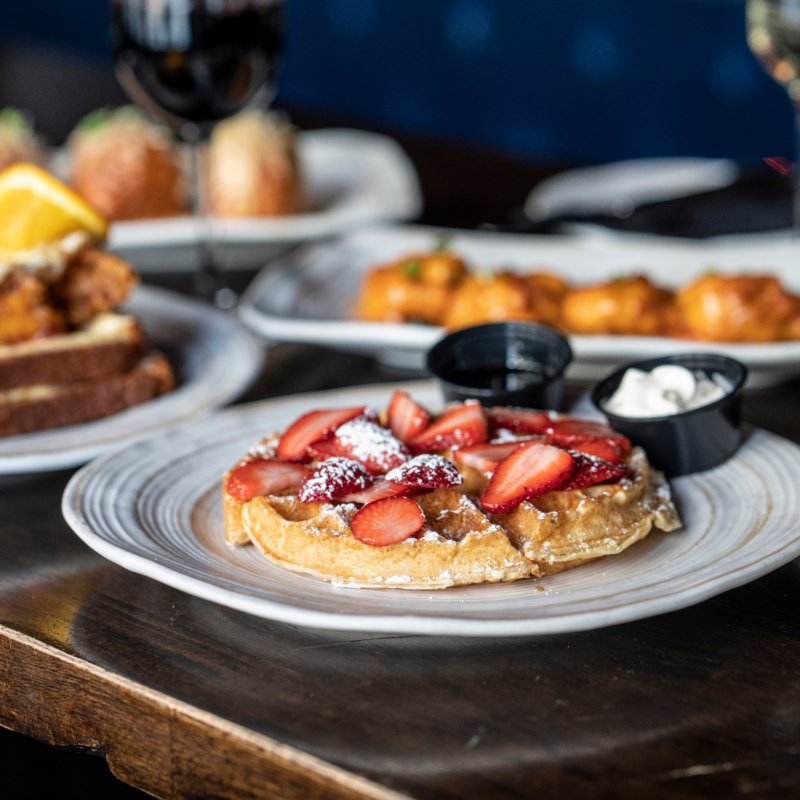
691 441
500 346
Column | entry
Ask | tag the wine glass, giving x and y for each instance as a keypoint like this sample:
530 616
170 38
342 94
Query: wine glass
773 35
188 64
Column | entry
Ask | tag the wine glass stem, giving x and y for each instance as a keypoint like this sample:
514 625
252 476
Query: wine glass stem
209 278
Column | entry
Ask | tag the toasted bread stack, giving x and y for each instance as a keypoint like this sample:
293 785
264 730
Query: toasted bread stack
66 355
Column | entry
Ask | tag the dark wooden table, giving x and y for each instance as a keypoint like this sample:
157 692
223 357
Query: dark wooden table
188 699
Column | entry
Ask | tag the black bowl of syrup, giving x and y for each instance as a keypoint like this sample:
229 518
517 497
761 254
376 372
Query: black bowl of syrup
504 363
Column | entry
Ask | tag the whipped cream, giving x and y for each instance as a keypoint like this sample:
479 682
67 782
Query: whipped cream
666 390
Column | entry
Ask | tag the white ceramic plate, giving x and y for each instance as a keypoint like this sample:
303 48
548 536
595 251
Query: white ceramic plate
350 178
155 508
215 360
309 296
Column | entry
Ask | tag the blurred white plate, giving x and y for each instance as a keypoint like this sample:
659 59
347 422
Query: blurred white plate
618 188
215 359
310 295
155 508
350 177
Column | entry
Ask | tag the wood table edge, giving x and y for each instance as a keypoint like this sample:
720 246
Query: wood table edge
163 746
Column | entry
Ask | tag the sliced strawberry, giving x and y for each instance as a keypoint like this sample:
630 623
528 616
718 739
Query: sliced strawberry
486 456
532 469
518 420
388 521
372 445
568 432
600 448
325 448
462 425
590 470
261 477
378 491
426 471
406 418
332 479
311 427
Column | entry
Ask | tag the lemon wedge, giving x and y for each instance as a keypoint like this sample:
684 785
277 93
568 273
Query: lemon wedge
36 208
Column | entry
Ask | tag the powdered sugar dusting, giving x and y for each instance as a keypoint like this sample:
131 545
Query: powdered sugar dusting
370 443
426 471
333 478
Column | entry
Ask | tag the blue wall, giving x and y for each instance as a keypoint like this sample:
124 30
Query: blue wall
580 80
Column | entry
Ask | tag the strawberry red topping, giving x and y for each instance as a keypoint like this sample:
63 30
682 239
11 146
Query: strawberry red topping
325 448
532 469
332 480
388 521
518 420
590 470
600 448
372 445
311 427
426 471
406 418
378 491
569 432
261 477
463 425
486 456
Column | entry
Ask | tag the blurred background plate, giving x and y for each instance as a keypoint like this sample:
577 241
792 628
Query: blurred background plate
350 177
310 295
155 508
214 358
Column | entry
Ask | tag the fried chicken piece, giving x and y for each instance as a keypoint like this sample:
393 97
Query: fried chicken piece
25 311
126 167
252 167
547 293
628 306
93 282
739 308
487 297
418 287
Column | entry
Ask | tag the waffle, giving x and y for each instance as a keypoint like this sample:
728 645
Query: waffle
459 543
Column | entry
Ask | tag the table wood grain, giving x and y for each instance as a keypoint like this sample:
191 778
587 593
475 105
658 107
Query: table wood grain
188 699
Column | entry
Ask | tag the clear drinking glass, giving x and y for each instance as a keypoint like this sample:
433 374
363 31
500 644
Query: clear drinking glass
773 35
189 64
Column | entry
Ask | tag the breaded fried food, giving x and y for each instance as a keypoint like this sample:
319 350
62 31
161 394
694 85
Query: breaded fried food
739 308
416 288
252 167
490 297
126 167
25 310
628 306
547 293
95 281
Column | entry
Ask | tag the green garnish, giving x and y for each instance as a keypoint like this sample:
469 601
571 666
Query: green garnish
708 270
619 276
443 242
13 119
412 269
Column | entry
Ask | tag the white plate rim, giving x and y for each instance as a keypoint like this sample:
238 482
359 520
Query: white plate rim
710 587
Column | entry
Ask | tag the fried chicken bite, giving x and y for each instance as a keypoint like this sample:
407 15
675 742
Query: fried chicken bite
490 297
547 293
25 310
628 306
126 167
739 308
418 287
95 281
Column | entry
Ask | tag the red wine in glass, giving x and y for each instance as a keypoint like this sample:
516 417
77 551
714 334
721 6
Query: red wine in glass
190 63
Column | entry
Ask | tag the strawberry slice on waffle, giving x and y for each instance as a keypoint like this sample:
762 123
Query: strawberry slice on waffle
379 490
600 448
374 446
568 432
333 479
312 427
388 521
590 470
426 471
485 456
262 477
518 420
461 426
406 419
532 469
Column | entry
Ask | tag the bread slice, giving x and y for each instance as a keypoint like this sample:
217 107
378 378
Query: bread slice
39 407
111 344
